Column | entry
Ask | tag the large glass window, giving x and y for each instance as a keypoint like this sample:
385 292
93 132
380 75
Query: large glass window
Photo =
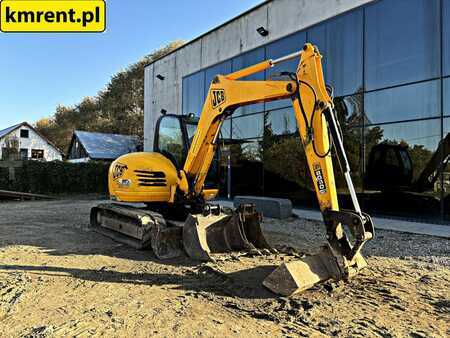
396 156
280 122
317 35
247 168
392 117
350 110
340 41
222 68
245 60
402 42
446 173
193 93
415 101
446 32
248 126
286 170
278 49
447 97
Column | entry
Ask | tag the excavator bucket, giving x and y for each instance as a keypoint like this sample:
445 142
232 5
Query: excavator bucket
221 232
299 275
338 260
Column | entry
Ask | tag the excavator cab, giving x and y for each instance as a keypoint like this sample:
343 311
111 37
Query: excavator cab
389 167
173 138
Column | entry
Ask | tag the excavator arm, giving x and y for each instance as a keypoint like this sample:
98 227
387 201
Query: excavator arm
224 97
316 120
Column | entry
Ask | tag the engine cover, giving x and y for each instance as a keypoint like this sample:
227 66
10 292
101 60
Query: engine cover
142 177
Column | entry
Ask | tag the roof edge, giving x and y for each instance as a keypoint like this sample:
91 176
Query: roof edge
210 31
97 132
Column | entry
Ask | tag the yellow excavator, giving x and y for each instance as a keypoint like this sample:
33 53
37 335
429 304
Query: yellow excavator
170 181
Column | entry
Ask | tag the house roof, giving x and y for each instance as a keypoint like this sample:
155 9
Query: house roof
9 130
106 146
6 131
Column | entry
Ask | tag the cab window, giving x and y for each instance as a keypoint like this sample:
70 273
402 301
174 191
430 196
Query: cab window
170 139
191 128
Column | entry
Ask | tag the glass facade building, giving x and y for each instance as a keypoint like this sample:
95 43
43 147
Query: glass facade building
389 64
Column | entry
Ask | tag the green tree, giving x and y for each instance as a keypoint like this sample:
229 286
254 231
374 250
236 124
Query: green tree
119 108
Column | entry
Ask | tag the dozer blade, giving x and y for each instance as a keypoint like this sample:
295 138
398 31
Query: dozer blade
138 228
238 230
299 275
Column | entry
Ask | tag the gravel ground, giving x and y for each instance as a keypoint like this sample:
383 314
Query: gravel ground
57 278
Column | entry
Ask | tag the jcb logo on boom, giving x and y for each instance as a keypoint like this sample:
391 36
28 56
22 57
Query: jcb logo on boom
217 97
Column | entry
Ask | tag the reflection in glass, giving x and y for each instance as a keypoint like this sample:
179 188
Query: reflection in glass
398 160
249 126
340 41
446 169
352 143
349 110
246 172
447 97
446 36
278 49
415 101
193 93
225 130
286 171
280 122
222 68
402 42
245 60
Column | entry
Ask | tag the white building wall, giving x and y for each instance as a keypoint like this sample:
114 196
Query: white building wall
34 141
280 17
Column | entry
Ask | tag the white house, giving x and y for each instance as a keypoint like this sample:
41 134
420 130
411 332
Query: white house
28 141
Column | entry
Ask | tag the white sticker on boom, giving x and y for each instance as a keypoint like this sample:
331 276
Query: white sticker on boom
319 179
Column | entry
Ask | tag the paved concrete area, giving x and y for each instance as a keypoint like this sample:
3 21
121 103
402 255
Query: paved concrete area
279 208
379 222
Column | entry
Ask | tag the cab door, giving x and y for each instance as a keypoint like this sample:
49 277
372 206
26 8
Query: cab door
170 139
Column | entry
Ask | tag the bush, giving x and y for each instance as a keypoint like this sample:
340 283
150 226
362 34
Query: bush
58 178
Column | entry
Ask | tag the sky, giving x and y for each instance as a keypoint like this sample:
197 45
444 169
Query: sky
40 71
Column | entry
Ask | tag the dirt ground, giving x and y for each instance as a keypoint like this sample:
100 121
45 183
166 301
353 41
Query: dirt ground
58 278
